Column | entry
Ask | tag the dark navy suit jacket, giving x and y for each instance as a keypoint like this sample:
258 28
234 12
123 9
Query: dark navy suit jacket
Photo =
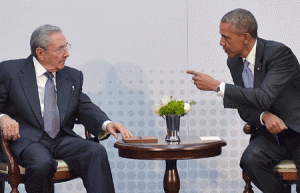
19 99
276 86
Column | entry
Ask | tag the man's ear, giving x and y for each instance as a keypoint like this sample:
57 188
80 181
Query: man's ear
40 52
248 38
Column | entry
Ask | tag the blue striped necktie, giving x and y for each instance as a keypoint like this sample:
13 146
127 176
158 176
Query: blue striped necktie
247 75
51 113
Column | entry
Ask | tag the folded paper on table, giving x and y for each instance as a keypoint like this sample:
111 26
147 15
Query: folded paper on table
210 138
141 139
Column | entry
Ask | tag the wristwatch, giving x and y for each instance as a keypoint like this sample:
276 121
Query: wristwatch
218 89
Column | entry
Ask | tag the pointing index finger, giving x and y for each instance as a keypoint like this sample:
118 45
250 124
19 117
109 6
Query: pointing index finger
192 72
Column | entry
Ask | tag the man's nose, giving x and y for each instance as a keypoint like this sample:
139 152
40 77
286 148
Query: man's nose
66 53
222 43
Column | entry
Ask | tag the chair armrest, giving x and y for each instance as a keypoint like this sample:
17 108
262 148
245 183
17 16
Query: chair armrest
247 128
102 135
13 167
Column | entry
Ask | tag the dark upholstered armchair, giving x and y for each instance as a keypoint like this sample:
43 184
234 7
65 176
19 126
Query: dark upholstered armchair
286 169
14 174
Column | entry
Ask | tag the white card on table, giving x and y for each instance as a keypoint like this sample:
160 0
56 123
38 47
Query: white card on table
210 138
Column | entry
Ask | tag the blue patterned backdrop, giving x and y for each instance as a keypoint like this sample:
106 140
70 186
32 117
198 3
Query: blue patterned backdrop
132 53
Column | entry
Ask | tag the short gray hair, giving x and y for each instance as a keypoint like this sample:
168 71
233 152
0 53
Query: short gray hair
41 37
242 20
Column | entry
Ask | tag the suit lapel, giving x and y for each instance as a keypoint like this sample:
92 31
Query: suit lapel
64 89
29 85
236 70
258 63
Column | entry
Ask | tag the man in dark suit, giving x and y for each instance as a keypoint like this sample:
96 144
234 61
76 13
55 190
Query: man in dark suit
40 99
266 92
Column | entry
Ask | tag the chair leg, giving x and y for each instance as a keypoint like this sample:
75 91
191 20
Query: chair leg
2 186
14 188
248 187
14 183
288 187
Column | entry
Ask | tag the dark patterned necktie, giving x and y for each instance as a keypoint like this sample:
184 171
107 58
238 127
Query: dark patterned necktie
51 113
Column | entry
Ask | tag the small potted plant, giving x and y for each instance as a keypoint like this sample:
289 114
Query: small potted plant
171 110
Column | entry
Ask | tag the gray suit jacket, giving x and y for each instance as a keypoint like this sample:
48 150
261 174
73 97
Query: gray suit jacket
276 86
19 99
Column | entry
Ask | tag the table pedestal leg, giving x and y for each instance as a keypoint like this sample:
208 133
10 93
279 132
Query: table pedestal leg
171 179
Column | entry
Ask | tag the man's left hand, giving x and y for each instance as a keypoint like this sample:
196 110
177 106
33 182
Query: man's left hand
114 128
204 81
273 123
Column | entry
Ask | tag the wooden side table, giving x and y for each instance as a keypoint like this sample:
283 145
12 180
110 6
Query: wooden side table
189 148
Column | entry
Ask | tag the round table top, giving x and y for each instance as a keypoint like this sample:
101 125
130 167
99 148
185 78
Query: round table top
188 148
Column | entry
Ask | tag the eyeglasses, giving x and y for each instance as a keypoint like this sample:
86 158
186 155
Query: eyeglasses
62 49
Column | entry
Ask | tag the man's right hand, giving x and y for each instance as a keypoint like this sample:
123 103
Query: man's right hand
273 123
10 128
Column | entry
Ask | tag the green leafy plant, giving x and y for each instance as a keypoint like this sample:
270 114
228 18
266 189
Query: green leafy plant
170 106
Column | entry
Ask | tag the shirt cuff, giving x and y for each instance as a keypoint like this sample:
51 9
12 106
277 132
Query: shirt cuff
261 121
222 89
104 126
1 115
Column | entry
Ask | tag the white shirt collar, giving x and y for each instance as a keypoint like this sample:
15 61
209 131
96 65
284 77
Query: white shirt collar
251 56
39 68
